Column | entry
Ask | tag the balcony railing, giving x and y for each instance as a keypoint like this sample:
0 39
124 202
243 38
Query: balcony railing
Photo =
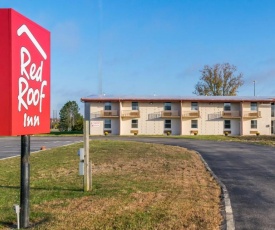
130 113
170 113
231 114
105 113
191 114
251 114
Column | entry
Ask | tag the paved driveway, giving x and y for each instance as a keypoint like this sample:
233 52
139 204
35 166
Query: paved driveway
248 172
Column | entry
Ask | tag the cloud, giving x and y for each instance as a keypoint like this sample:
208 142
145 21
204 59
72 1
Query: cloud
65 35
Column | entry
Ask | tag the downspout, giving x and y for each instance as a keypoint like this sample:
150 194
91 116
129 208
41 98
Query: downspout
180 117
241 121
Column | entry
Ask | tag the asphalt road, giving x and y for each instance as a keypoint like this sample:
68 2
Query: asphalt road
247 171
11 146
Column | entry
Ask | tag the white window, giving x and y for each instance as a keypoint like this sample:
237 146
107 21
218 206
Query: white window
167 124
134 124
108 106
167 106
194 106
227 106
107 124
194 124
227 124
134 105
253 106
253 124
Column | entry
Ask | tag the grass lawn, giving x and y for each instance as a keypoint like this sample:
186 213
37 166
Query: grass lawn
135 186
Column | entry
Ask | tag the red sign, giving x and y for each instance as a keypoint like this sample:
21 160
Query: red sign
24 75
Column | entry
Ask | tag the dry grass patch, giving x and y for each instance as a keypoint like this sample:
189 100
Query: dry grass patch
135 186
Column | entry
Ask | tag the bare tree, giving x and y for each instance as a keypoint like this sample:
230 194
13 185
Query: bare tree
219 80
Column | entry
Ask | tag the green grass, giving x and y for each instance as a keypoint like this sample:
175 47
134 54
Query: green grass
261 139
135 186
62 133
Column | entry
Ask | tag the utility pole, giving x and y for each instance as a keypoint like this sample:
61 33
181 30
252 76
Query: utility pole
254 82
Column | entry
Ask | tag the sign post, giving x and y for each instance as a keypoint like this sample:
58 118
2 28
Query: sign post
87 163
25 181
24 89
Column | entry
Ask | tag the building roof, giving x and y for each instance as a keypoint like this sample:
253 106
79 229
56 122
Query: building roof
106 98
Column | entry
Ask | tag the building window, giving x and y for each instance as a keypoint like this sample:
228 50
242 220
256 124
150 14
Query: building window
134 124
167 106
272 110
108 106
167 124
134 105
227 106
194 124
107 124
194 106
227 124
253 124
253 106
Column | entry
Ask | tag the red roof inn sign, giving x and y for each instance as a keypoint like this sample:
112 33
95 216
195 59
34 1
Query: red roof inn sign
24 75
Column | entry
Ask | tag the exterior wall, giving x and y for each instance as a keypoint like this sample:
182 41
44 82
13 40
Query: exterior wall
97 122
151 119
263 122
151 122
210 118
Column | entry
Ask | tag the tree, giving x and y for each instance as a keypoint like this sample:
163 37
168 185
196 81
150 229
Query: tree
70 118
219 80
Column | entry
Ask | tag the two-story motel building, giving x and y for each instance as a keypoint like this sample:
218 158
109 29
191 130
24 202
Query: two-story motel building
203 115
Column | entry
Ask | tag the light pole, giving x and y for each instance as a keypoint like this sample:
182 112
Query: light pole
254 87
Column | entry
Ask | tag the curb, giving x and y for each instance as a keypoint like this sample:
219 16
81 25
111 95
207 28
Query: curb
227 211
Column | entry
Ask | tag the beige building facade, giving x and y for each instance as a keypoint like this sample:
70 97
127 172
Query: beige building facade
180 116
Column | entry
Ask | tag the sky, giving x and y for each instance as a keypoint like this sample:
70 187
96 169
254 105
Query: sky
152 47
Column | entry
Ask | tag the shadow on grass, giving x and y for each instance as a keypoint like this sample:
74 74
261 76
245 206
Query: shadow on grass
47 189
8 225
11 225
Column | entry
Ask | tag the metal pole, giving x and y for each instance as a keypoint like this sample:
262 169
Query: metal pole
254 88
25 181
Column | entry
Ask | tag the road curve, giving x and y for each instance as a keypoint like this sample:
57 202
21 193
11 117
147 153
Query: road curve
247 171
